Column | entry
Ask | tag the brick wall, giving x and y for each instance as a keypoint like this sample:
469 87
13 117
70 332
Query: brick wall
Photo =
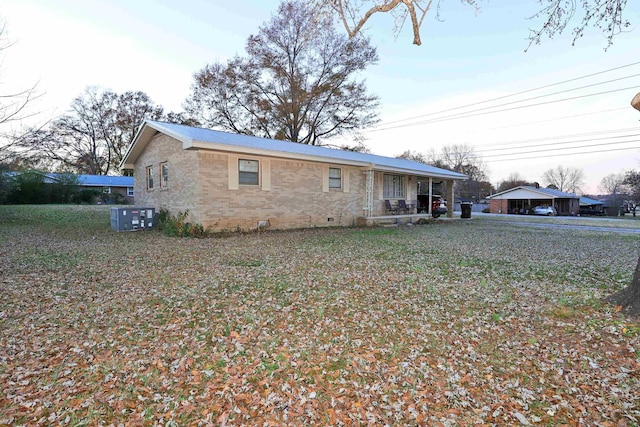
291 194
499 206
180 193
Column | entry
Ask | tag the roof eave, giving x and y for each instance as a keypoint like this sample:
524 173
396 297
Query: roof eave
213 146
145 133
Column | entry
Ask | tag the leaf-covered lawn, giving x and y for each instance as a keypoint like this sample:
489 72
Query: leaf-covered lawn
455 323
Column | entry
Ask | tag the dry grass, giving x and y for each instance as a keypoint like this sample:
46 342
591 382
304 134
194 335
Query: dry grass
457 323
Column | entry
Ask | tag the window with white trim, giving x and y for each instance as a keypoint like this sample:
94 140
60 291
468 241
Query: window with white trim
130 191
248 172
149 177
393 186
164 175
106 190
335 178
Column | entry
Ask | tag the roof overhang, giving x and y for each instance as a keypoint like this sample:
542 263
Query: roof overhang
517 191
148 131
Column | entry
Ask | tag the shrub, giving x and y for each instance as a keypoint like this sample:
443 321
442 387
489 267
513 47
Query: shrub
86 196
177 226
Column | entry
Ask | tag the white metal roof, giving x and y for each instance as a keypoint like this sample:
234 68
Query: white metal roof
200 138
526 192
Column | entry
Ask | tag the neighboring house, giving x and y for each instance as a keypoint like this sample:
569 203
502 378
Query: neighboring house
524 198
113 189
591 207
230 181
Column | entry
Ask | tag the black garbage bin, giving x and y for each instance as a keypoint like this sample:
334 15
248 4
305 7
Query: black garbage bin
465 207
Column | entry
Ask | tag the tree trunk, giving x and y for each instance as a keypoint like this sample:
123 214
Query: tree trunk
629 297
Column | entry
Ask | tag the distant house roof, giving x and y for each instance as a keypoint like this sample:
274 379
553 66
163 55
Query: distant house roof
524 190
84 180
585 201
192 137
99 180
105 181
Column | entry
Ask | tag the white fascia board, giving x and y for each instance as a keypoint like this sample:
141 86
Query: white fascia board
419 173
317 159
270 153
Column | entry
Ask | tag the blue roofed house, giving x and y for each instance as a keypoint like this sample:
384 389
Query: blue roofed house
112 189
116 189
107 188
231 181
524 198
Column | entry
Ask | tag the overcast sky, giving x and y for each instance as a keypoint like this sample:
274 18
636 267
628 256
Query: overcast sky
431 95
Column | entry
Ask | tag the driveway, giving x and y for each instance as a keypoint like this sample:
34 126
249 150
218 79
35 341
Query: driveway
597 226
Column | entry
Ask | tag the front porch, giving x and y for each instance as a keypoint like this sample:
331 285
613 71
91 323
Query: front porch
384 192
398 219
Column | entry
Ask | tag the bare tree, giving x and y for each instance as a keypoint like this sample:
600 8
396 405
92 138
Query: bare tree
297 82
464 159
94 134
612 184
629 297
555 15
568 179
513 180
413 155
13 109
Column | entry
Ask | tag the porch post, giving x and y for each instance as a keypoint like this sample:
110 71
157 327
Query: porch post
450 201
430 195
368 203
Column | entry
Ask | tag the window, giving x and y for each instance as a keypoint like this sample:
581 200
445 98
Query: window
248 172
130 191
106 190
335 178
164 175
393 186
149 177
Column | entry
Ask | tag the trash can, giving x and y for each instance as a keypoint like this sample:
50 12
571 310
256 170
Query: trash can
465 207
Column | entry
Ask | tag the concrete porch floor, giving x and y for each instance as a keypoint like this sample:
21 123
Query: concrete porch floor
399 219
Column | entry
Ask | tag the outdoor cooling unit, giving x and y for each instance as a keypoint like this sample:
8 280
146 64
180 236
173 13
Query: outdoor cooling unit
132 219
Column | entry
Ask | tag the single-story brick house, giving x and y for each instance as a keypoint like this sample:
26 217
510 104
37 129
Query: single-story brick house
112 189
524 198
116 189
228 181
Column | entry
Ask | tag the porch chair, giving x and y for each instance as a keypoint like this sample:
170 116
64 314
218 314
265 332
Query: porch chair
390 209
402 206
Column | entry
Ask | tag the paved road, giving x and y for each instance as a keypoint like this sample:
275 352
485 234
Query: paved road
576 227
552 225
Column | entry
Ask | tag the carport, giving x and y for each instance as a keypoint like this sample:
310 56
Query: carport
520 200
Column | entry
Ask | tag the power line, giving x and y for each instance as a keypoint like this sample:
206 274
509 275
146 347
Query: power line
566 148
462 116
575 135
541 121
520 93
566 154
532 98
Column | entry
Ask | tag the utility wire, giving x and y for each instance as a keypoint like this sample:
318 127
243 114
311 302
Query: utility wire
464 113
551 138
518 93
460 116
541 121
565 154
477 131
564 148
